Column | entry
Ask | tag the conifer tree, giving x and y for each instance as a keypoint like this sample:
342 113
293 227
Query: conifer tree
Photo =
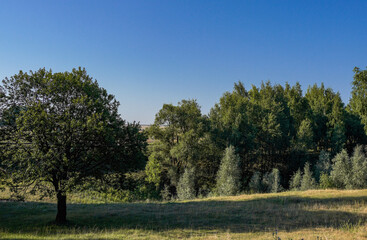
341 170
228 178
359 168
308 182
186 184
255 183
275 177
323 164
295 182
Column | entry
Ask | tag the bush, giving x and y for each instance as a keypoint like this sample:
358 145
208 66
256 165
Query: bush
228 178
186 187
308 182
295 182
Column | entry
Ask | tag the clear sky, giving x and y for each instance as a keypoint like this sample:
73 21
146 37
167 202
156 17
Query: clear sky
148 53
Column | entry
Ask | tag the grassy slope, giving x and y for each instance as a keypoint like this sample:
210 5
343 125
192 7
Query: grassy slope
329 214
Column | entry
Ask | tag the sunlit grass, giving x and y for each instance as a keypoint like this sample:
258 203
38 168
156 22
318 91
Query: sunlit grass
327 214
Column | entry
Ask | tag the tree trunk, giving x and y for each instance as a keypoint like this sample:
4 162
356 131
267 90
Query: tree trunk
61 207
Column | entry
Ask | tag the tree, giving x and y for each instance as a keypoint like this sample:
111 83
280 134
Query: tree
271 181
297 104
68 131
327 117
228 178
305 135
275 186
359 168
270 116
323 164
230 125
230 120
186 184
180 142
295 182
359 95
255 185
308 182
341 170
153 170
355 133
325 181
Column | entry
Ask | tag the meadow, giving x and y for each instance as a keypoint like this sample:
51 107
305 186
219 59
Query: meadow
313 214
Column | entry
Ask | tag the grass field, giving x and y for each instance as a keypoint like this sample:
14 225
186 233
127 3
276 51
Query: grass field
321 214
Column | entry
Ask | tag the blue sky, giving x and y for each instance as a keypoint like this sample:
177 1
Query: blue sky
148 53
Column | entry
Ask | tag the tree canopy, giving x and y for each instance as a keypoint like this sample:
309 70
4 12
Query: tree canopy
67 129
62 129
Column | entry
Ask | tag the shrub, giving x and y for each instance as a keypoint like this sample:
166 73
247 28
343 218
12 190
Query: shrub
228 178
295 182
308 182
186 187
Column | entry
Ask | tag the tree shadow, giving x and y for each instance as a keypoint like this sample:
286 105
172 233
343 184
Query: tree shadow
287 213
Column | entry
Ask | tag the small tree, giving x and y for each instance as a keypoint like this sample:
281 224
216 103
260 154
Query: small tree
341 170
295 182
359 168
326 181
271 181
275 185
323 164
308 182
165 193
266 182
228 178
153 170
255 183
185 187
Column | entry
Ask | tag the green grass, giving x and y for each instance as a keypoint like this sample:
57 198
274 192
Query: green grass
327 214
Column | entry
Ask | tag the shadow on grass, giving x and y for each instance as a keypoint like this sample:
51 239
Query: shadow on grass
264 214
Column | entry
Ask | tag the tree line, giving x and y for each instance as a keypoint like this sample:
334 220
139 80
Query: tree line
273 131
61 131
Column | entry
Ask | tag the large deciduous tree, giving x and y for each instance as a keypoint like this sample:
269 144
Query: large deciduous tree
180 142
66 129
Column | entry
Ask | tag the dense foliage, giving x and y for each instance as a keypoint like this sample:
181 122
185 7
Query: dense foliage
274 130
63 128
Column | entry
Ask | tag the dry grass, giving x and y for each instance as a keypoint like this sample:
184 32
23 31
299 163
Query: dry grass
322 214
